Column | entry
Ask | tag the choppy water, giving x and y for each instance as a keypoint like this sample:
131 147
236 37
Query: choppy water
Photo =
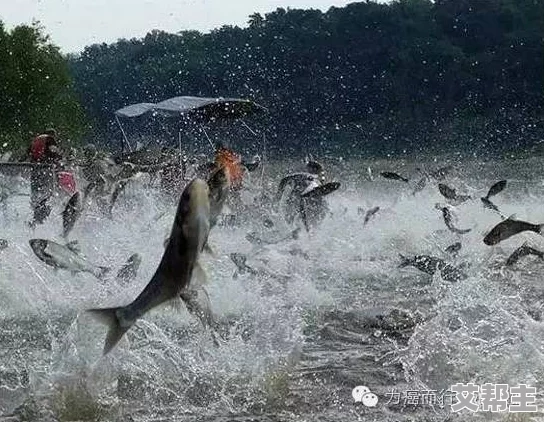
330 310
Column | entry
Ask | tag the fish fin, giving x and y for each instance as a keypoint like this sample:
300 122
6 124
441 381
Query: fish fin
198 304
74 246
311 189
512 217
200 275
101 272
175 304
108 316
210 250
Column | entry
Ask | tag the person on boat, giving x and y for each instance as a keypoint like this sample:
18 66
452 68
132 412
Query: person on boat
45 153
232 163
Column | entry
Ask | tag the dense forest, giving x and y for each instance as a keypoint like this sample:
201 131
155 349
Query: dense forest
36 88
370 78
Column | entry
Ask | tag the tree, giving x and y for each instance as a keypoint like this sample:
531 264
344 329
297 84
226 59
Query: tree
36 88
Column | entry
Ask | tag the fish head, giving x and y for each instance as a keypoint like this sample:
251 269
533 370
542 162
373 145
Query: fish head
195 212
135 259
38 246
494 236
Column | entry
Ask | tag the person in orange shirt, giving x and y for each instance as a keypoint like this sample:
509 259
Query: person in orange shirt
232 163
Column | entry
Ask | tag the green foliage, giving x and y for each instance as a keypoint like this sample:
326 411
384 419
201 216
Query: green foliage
35 88
395 70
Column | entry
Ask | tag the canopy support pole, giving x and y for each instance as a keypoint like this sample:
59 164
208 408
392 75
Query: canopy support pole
124 134
264 148
207 137
263 160
248 128
179 145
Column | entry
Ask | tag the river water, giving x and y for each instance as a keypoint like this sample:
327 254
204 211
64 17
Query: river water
325 313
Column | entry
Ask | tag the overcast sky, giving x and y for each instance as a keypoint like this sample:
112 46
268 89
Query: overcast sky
73 24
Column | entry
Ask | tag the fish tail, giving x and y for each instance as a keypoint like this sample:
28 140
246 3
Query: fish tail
404 262
108 316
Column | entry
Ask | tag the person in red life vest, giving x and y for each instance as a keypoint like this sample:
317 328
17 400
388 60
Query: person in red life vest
43 150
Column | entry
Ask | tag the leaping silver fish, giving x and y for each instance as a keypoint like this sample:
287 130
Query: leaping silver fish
509 228
65 257
178 266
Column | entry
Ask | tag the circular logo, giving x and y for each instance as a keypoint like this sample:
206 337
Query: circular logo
358 393
362 394
370 400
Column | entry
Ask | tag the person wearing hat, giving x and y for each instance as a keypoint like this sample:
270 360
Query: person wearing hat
43 150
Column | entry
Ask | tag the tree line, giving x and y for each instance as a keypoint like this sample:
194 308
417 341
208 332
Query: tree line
367 78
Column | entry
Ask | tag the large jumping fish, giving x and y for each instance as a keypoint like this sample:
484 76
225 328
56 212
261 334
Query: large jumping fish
178 266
